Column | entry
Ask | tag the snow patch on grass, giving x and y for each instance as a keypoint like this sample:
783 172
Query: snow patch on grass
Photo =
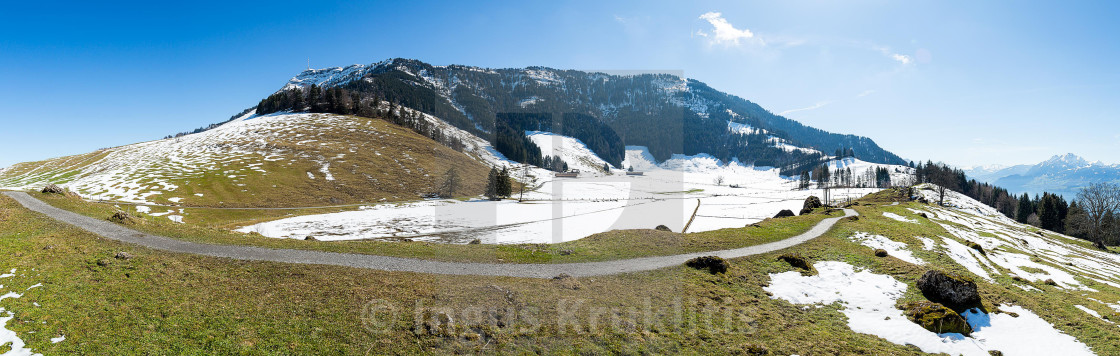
966 257
899 217
1092 312
894 248
927 243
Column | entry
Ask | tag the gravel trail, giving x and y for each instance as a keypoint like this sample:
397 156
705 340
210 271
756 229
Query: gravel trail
120 233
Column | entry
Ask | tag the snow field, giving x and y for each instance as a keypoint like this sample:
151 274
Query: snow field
565 209
894 248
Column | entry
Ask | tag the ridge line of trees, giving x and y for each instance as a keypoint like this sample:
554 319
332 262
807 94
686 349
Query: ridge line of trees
344 102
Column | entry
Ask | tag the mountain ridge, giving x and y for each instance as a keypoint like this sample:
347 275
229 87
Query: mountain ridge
688 117
1060 174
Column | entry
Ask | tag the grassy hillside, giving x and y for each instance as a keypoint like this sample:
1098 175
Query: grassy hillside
159 302
294 160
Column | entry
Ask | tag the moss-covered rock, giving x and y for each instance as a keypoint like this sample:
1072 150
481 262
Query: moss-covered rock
950 289
936 318
881 252
124 218
798 261
714 264
812 202
662 228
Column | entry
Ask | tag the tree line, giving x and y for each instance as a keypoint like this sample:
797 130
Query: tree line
344 102
826 177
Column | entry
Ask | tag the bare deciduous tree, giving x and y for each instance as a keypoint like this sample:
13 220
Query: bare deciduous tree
1098 200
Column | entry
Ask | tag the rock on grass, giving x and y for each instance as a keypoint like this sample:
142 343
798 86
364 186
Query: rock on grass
714 264
812 202
124 218
798 261
936 318
949 289
785 213
662 228
54 189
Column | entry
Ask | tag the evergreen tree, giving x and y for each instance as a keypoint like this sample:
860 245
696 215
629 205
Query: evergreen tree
313 103
1025 209
297 100
1048 212
504 186
492 184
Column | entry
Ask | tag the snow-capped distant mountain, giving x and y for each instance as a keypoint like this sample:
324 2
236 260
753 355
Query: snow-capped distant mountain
666 113
1061 174
991 173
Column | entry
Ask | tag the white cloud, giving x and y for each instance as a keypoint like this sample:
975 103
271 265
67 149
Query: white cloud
866 93
901 58
722 31
813 107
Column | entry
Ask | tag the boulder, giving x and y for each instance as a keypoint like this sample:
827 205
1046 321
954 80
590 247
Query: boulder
936 318
662 228
714 264
124 218
123 255
798 261
785 213
812 202
880 252
949 289
54 189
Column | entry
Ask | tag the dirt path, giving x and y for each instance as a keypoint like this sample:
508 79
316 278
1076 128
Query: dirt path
385 263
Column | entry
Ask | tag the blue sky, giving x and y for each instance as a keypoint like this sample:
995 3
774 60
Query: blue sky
968 83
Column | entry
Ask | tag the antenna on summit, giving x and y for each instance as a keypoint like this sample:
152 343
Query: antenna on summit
308 63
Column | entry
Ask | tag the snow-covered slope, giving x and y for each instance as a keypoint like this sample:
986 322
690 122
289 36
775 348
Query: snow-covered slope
571 150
